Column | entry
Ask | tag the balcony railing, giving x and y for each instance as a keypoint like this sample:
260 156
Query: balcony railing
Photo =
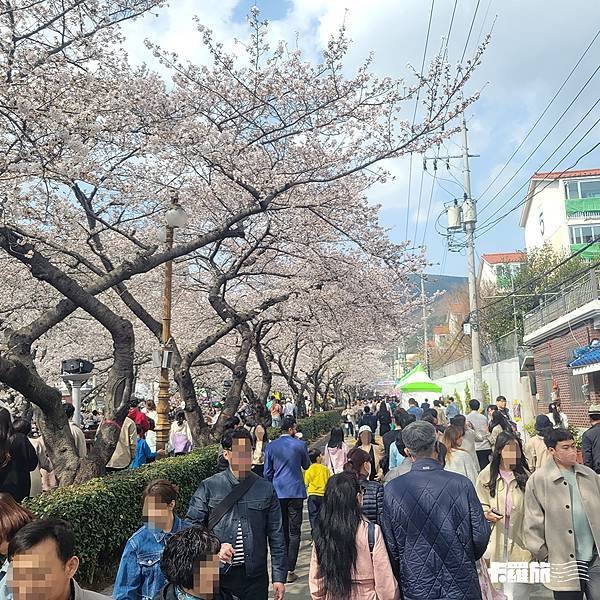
570 297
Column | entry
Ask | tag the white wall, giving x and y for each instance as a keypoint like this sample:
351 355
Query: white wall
488 274
503 378
549 204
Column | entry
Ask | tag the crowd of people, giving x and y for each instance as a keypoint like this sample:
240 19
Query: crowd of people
422 503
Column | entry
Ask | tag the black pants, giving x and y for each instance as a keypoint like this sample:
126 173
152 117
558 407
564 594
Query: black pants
314 506
484 458
236 582
291 514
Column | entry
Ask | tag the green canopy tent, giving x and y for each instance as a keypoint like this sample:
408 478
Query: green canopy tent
417 381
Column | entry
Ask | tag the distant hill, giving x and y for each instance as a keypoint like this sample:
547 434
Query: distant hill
434 283
439 283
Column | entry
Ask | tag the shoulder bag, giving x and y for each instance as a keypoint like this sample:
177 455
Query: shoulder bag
237 493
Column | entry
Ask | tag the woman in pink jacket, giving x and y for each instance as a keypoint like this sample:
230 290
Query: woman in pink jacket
336 451
346 548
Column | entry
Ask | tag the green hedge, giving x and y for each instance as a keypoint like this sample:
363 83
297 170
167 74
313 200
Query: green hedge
104 512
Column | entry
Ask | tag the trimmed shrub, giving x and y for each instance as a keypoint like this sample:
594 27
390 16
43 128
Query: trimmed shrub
106 511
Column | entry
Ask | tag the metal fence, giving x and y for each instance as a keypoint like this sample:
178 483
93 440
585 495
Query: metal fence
502 349
570 297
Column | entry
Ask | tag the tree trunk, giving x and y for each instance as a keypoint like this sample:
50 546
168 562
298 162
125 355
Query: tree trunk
239 372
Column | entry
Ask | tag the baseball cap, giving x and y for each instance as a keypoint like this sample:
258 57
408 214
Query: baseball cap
364 428
594 409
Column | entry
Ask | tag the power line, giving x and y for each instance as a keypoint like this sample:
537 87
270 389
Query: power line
545 274
470 31
545 137
487 226
419 205
542 115
429 207
558 163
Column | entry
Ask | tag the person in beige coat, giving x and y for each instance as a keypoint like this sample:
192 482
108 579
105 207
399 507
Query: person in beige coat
536 452
501 491
562 519
126 447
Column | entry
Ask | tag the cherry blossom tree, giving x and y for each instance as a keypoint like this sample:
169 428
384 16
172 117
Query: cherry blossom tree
269 153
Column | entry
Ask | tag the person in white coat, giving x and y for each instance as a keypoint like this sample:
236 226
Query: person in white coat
458 460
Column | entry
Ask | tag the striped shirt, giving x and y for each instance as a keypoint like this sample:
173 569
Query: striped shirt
238 547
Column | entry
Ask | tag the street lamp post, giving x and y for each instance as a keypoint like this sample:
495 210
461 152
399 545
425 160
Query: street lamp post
76 372
176 217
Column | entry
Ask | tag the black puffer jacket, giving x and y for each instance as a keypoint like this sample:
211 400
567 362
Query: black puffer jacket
372 500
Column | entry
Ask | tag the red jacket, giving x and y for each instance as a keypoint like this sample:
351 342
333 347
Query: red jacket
139 418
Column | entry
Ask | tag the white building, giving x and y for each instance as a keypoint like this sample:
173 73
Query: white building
563 209
498 269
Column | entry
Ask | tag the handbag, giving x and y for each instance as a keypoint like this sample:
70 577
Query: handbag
236 493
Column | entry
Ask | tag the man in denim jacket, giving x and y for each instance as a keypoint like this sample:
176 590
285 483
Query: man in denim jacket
245 529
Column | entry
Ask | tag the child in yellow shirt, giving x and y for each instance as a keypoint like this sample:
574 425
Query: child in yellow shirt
315 479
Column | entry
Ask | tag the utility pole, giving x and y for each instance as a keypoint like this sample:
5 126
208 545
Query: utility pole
469 219
425 336
463 218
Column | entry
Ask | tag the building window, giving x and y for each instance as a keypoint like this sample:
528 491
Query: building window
576 382
542 368
576 190
584 234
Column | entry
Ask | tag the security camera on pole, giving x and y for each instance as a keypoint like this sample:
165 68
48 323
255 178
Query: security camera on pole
463 218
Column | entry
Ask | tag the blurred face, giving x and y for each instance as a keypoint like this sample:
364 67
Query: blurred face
39 574
156 513
365 438
565 453
510 455
240 456
260 433
366 469
206 578
501 404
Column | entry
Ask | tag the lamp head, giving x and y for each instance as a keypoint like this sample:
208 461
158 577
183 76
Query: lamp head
176 215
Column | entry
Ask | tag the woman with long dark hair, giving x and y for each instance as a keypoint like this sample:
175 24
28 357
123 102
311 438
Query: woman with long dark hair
384 418
557 416
501 491
498 424
345 563
336 451
17 459
359 464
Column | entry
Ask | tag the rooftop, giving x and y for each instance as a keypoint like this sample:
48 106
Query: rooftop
552 176
498 258
568 174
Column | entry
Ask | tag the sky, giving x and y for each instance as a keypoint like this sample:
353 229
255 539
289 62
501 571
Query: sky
534 46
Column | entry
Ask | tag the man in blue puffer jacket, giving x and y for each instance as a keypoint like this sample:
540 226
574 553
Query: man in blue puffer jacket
433 524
